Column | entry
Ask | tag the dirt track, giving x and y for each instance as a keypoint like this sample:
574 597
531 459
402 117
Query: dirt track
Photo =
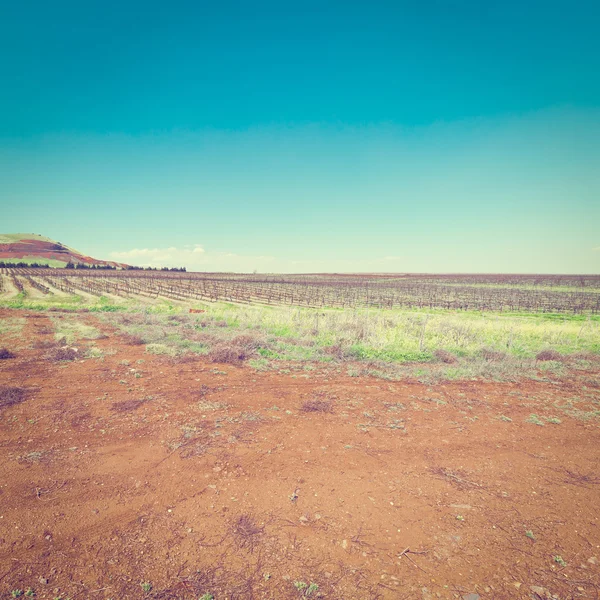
218 482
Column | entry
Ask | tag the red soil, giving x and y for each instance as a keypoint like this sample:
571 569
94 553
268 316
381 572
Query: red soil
203 479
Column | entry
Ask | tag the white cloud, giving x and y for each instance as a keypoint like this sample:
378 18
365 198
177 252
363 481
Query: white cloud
193 257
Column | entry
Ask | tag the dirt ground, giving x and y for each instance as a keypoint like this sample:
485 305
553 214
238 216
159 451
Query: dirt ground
141 476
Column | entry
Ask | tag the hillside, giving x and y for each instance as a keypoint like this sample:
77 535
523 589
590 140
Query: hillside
34 248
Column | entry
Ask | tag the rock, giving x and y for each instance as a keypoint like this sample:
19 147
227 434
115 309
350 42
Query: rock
344 544
593 560
541 592
471 596
517 584
43 580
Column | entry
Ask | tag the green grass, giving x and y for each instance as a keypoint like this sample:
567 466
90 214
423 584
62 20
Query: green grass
396 341
73 330
11 326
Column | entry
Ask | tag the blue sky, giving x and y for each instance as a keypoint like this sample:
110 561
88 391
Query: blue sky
355 136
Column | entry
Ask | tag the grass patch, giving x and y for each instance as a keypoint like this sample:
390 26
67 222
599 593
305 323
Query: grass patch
431 346
11 327
70 329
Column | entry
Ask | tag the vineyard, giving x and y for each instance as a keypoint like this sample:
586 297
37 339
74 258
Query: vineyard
531 293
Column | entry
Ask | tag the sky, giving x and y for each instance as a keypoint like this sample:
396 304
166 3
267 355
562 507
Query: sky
306 137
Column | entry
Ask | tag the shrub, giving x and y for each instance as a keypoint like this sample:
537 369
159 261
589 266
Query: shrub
10 396
336 351
247 342
4 354
548 354
227 353
132 340
323 406
492 355
62 354
445 356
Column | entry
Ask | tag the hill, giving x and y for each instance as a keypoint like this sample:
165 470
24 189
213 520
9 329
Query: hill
34 248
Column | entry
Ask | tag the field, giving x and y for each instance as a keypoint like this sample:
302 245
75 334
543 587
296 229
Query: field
343 437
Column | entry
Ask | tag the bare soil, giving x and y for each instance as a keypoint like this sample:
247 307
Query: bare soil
198 478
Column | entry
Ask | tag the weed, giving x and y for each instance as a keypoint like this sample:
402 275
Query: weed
206 597
311 589
548 354
460 518
146 587
530 535
16 593
505 418
29 593
300 585
535 420
306 589
558 559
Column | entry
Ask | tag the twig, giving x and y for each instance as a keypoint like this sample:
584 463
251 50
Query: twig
408 551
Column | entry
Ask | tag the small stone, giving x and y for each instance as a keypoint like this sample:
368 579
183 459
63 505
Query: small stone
517 584
593 560
471 596
303 519
344 544
43 580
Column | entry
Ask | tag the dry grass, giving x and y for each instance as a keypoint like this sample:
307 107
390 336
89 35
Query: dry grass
548 354
62 354
132 340
227 353
492 355
246 532
336 350
445 356
318 405
247 342
9 396
126 405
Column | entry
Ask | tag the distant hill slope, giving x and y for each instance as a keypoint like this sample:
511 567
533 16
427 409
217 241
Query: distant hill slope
33 248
